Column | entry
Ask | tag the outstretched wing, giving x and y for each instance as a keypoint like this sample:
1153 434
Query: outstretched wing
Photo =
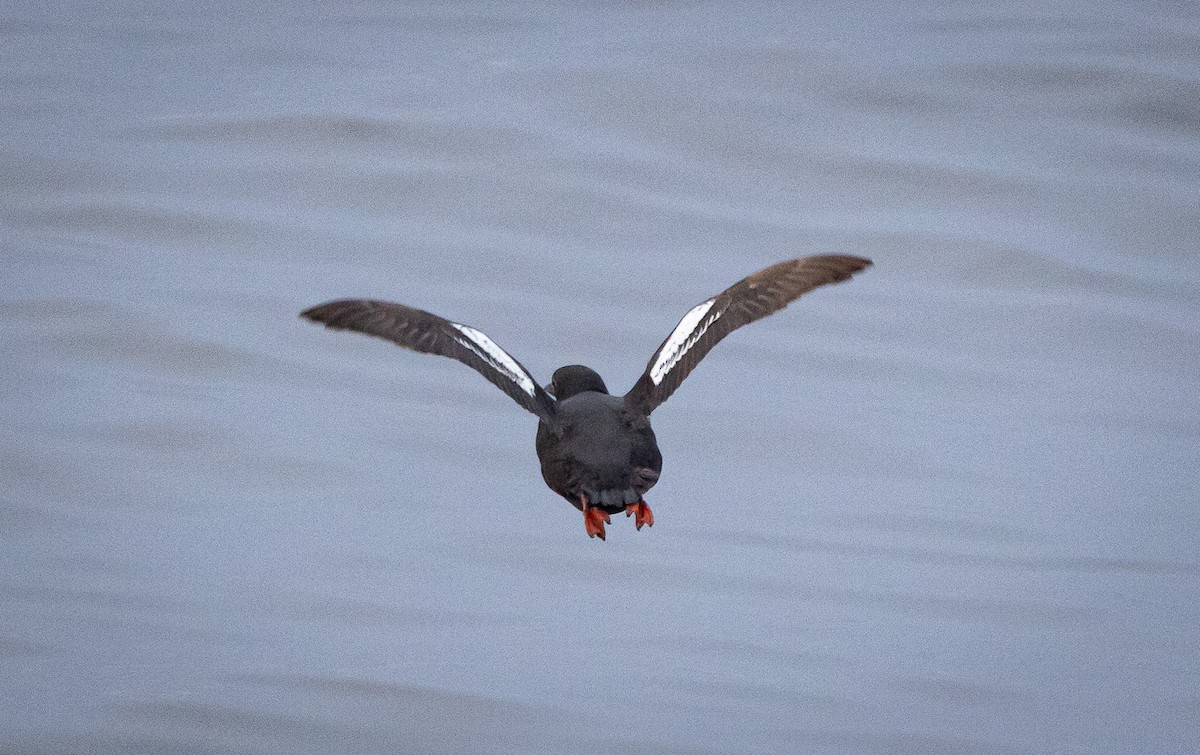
749 299
429 334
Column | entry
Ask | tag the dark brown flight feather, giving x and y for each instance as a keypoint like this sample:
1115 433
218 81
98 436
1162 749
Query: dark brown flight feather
750 299
427 333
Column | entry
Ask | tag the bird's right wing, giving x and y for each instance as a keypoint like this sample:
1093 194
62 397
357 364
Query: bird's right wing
750 299
429 334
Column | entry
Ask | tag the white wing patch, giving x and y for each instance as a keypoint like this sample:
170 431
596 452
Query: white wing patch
495 356
683 338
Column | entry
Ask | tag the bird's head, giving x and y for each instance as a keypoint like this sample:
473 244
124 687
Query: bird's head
575 378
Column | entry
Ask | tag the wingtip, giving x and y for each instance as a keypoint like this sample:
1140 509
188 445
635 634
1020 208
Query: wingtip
860 264
839 267
847 263
854 262
323 314
847 266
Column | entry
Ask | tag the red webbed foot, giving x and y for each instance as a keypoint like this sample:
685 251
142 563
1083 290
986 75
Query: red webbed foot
642 512
594 520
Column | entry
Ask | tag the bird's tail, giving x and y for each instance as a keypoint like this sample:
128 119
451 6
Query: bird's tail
611 499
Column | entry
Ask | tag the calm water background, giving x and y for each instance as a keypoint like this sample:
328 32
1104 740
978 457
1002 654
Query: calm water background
949 507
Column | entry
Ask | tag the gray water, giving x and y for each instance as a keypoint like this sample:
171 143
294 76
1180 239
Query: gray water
948 507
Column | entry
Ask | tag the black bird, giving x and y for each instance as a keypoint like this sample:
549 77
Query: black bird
597 450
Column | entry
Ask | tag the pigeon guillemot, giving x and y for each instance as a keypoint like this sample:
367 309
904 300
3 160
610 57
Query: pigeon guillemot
597 450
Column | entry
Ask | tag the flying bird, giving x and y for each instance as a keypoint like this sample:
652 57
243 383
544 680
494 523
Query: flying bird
597 450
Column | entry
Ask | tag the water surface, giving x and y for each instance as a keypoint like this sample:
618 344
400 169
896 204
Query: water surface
948 507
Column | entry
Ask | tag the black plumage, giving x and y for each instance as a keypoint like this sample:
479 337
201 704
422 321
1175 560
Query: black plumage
597 450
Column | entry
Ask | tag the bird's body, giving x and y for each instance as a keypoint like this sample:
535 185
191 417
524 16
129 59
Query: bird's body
597 450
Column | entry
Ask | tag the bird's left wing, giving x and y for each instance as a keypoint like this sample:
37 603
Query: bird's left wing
429 334
750 299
